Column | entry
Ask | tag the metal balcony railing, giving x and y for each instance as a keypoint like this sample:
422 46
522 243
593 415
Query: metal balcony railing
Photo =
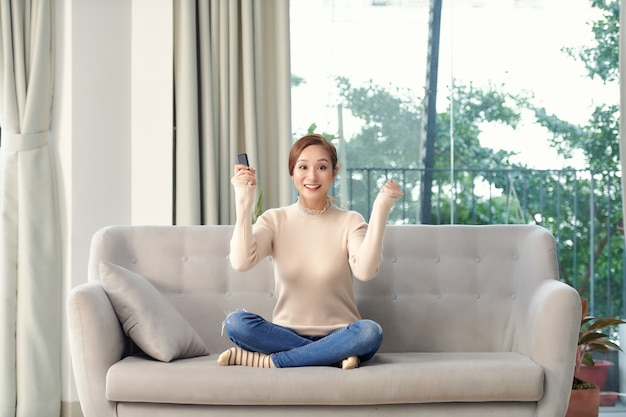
582 208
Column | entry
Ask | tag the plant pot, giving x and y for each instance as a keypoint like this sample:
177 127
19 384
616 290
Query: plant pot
584 403
596 374
608 398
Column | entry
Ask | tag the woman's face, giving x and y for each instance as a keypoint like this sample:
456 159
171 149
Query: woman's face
313 176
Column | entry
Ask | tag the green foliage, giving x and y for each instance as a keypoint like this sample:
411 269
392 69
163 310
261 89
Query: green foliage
296 80
313 128
389 145
591 337
581 208
258 206
390 135
599 140
601 58
473 107
580 384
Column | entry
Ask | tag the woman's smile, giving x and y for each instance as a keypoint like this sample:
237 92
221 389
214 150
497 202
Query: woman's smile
313 175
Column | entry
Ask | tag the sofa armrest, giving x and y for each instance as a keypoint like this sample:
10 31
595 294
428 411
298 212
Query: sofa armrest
552 324
96 342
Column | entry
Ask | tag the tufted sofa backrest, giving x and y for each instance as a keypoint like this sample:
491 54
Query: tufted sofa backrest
440 288
457 287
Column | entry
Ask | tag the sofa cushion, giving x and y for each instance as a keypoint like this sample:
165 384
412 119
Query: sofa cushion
405 378
155 326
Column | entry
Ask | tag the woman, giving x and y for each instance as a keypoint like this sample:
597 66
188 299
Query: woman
317 249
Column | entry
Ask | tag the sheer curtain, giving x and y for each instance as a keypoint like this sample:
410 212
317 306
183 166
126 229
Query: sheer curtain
232 95
30 285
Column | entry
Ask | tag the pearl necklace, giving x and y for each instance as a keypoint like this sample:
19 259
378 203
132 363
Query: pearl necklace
314 212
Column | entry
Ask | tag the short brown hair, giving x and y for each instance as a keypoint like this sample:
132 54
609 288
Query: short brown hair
306 141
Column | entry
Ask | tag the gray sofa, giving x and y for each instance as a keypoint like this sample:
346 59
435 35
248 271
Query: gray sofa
475 320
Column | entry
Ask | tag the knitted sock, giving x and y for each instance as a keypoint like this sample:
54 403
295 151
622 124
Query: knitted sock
350 362
239 356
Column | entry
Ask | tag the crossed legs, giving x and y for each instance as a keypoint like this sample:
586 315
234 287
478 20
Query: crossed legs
263 344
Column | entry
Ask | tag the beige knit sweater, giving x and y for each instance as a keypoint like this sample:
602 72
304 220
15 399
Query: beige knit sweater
315 257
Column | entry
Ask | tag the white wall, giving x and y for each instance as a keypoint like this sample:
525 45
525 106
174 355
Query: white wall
111 140
152 77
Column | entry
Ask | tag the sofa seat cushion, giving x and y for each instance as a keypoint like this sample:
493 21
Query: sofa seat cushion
389 378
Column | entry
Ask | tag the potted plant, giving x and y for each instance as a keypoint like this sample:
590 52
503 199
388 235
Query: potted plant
585 396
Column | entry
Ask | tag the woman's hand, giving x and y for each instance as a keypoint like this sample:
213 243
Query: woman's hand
392 189
244 176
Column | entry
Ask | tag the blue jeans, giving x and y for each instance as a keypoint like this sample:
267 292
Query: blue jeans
289 349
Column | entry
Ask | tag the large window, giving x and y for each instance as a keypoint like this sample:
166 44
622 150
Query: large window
512 47
526 117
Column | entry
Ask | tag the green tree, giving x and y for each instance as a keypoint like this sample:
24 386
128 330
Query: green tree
389 145
487 187
559 200
598 141
390 134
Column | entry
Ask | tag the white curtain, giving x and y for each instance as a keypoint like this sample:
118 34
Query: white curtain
30 315
232 95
